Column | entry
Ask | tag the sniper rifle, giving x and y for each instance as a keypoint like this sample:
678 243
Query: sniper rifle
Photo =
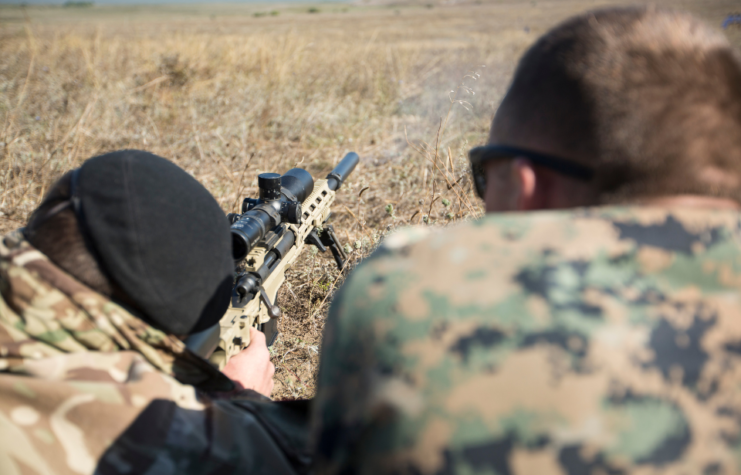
267 238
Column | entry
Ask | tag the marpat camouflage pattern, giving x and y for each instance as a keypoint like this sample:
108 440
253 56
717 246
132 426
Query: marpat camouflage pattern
593 341
87 387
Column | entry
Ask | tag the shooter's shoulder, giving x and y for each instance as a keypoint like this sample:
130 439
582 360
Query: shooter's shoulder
500 254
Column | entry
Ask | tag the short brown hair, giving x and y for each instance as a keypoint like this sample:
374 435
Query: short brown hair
649 97
58 236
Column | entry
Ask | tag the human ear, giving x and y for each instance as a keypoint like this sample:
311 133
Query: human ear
527 186
511 186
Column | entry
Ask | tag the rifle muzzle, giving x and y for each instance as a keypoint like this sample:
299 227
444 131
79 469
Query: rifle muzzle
342 170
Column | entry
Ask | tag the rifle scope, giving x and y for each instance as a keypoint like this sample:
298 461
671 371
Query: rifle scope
280 201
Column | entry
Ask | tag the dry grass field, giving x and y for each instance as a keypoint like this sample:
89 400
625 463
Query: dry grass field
229 91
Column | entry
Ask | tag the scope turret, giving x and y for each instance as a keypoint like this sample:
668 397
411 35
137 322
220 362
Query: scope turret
269 186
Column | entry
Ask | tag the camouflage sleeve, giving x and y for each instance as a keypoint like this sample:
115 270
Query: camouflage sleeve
558 343
86 387
114 413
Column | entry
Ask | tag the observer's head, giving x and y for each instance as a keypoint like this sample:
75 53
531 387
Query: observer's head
139 229
622 105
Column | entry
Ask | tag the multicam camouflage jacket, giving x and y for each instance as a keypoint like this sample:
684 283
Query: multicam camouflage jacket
87 387
592 341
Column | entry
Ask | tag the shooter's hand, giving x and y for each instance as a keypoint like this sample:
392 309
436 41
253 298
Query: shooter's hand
252 367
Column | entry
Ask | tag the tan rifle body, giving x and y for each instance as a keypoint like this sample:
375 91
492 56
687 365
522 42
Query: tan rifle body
234 327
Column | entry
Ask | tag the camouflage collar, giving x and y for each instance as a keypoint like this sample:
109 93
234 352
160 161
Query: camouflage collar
45 312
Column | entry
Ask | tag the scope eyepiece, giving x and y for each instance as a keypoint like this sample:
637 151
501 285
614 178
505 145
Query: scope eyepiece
251 228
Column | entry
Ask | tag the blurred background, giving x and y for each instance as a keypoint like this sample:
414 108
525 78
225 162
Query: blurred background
228 91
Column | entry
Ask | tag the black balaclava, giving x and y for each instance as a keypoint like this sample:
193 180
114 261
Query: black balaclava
159 235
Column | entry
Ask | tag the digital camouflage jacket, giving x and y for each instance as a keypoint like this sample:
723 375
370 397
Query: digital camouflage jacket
594 341
87 387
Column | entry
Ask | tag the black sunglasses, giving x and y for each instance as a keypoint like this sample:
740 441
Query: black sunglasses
485 153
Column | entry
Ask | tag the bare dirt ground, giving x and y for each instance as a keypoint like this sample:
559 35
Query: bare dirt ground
229 91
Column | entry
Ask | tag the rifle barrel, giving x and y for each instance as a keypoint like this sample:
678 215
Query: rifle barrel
342 170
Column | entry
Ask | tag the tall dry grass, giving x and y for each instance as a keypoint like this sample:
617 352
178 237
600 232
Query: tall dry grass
226 95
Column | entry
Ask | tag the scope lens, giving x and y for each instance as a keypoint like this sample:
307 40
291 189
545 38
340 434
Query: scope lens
239 247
